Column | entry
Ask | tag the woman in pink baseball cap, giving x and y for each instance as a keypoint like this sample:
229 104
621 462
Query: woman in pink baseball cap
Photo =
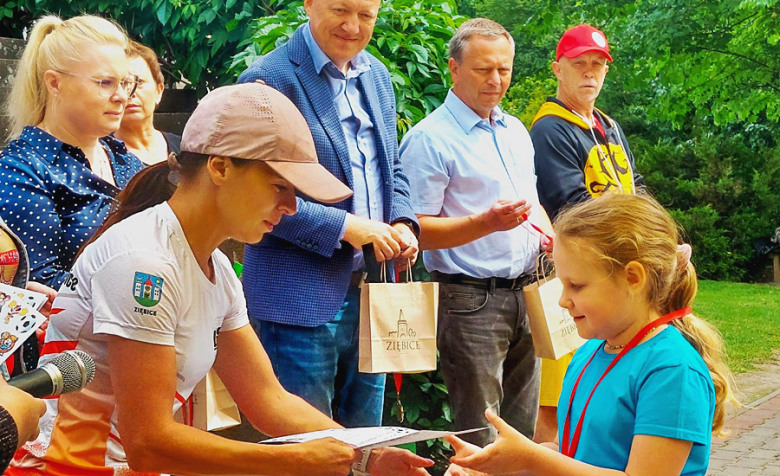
157 306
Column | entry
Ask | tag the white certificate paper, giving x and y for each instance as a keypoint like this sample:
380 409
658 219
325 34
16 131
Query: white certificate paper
370 437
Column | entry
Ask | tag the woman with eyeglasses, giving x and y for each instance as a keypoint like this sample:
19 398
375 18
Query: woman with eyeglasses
137 130
62 169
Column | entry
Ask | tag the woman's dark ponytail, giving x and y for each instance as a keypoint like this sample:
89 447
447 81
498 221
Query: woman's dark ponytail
155 185
148 188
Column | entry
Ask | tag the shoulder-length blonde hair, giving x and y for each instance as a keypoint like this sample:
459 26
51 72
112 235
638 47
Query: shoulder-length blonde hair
622 228
53 45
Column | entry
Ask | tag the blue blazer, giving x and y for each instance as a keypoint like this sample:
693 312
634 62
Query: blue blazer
299 273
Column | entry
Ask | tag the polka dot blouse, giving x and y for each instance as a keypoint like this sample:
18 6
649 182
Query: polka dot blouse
52 200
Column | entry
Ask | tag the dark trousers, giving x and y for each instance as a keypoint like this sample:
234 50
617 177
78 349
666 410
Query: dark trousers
487 358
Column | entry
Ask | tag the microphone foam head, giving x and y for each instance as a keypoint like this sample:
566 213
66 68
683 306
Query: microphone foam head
77 369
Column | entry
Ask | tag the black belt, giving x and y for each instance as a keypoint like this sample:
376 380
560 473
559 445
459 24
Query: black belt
485 283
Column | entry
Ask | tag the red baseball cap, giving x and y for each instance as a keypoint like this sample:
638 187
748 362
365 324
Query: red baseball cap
581 39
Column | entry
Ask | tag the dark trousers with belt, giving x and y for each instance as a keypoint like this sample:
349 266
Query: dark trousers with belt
487 354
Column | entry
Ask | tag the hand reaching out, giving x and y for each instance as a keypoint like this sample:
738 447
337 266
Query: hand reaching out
505 215
324 457
397 462
462 449
508 455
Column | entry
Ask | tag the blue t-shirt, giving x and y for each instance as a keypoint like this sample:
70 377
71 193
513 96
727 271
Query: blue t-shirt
660 388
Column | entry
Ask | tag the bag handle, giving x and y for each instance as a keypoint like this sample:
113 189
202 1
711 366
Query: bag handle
540 271
538 268
409 274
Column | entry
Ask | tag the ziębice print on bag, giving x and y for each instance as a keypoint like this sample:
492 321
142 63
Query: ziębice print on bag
552 328
398 327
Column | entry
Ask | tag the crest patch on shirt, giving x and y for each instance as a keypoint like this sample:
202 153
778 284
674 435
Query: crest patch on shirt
147 289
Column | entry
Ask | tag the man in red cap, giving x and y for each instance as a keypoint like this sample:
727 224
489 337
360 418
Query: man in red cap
580 153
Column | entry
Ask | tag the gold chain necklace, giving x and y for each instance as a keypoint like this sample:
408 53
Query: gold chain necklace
616 347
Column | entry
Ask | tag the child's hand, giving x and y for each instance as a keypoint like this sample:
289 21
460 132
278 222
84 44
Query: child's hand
462 449
509 454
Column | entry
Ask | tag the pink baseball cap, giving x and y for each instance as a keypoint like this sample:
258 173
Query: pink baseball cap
581 39
254 121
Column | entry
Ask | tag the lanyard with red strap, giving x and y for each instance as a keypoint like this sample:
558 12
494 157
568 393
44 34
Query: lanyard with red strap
544 236
570 448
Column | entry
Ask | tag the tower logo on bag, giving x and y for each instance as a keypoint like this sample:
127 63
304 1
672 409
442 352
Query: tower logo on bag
566 324
404 338
147 289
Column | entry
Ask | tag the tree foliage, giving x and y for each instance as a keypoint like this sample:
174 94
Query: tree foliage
410 38
195 39
724 192
715 59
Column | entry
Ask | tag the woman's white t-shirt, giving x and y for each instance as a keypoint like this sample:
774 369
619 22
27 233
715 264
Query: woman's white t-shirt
139 281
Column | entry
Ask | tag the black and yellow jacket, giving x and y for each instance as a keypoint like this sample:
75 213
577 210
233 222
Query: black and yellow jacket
570 165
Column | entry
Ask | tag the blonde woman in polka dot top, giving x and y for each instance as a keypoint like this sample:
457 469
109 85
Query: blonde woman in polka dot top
61 171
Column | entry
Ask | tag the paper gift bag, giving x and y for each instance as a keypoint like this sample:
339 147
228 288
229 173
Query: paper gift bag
552 328
212 406
398 327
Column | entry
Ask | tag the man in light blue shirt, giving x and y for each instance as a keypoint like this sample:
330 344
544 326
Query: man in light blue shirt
473 186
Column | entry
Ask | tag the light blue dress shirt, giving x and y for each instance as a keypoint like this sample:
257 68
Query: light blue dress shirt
358 130
460 164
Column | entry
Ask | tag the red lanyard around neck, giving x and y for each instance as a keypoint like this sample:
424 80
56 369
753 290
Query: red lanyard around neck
570 449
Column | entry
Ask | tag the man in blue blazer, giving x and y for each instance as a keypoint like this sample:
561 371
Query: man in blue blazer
302 281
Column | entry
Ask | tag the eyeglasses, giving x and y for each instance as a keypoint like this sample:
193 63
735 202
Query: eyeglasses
108 84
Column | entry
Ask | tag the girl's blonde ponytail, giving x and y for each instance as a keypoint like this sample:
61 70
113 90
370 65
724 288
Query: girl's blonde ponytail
706 340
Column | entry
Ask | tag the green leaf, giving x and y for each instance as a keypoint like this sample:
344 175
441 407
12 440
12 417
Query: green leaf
446 411
232 25
411 68
434 88
229 4
207 16
218 39
420 52
164 12
412 414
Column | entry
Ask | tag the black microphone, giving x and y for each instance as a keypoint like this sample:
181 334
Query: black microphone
67 372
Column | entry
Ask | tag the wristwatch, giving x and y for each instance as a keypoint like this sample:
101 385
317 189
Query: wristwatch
361 468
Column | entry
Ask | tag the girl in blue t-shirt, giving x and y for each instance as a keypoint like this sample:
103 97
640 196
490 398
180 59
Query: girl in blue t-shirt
645 394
